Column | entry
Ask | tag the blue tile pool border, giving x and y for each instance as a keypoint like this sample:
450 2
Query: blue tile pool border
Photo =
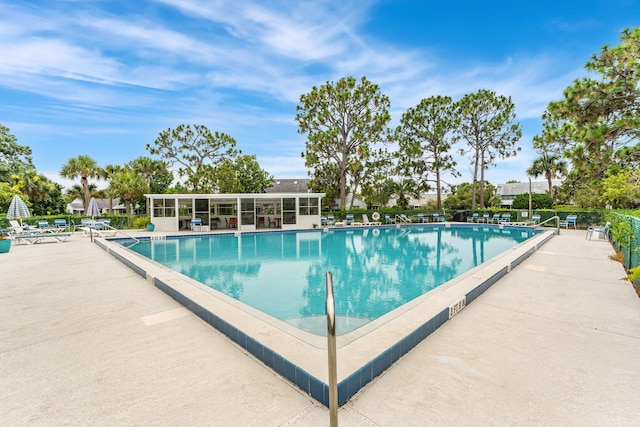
306 382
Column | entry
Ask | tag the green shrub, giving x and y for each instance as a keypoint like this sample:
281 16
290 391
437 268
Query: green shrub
141 222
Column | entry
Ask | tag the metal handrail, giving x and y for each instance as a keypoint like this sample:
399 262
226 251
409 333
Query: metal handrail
557 218
404 220
109 227
332 354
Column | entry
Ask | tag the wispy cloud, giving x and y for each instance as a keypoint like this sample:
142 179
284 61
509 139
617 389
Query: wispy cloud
94 70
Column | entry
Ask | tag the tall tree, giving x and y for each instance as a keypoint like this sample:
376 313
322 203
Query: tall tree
597 122
486 124
84 167
197 151
14 158
107 173
551 166
128 185
342 121
424 141
242 175
378 184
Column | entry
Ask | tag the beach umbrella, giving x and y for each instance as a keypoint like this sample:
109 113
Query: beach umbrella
18 209
93 209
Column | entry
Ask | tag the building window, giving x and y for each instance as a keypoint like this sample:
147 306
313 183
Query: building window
309 206
164 208
185 208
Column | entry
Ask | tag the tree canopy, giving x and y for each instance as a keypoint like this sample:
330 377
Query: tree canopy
424 142
197 151
486 124
83 167
597 123
461 197
14 158
242 175
538 201
342 121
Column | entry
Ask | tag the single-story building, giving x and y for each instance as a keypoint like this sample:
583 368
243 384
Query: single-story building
508 191
245 212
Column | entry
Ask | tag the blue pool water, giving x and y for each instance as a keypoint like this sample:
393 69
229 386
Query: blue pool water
375 270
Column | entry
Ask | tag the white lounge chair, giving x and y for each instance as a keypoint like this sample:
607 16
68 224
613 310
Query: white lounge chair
365 221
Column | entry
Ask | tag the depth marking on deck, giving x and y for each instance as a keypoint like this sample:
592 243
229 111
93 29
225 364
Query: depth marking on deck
535 267
165 316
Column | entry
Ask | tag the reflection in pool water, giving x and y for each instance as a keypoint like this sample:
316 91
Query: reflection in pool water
375 270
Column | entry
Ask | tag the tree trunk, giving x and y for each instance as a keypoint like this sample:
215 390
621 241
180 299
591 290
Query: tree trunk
482 167
475 182
550 185
87 196
438 192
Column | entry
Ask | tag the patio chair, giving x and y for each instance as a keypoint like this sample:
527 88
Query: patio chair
485 218
350 220
569 221
331 220
603 231
504 218
495 219
421 217
388 219
473 218
61 224
535 219
436 217
196 223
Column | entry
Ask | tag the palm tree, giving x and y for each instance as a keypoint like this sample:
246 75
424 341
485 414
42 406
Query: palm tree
146 167
107 173
129 186
551 166
405 189
84 167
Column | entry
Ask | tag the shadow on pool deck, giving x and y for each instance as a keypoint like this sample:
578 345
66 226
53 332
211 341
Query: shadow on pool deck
86 341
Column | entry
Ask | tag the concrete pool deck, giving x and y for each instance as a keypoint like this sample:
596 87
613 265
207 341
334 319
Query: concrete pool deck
84 340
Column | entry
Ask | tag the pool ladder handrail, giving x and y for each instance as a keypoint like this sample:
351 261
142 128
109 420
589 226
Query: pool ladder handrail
556 217
404 220
332 353
117 230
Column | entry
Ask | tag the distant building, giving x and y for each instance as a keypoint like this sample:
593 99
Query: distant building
294 185
508 192
420 203
76 207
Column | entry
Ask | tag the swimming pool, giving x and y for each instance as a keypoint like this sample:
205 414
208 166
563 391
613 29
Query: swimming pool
375 270
365 352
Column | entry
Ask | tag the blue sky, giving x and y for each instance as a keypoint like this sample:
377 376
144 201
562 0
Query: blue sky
103 78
